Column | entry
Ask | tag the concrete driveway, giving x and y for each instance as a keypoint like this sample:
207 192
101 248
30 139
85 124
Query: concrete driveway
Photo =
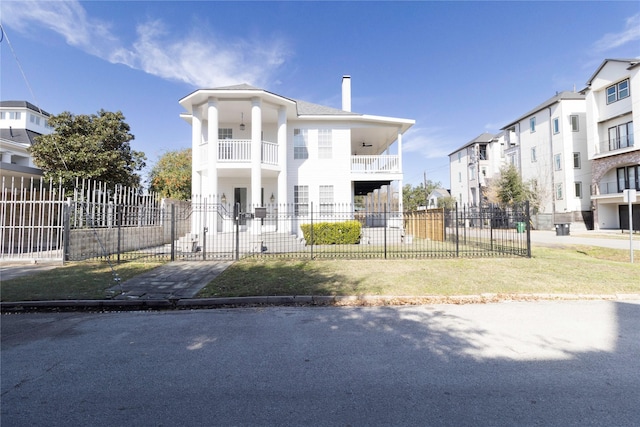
545 363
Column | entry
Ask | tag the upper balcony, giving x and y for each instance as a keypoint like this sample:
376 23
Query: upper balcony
615 145
237 152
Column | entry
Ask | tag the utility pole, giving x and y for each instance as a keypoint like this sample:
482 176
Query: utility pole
426 195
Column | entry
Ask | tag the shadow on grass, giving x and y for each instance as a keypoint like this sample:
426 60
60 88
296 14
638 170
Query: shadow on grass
277 278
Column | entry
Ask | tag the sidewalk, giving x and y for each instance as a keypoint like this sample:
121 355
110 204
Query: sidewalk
607 239
172 281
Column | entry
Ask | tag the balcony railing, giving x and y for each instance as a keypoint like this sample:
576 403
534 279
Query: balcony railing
239 151
375 164
616 144
612 187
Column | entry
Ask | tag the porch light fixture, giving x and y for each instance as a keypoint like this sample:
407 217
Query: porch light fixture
223 199
242 126
272 198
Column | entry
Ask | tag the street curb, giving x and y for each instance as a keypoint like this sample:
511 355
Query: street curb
295 300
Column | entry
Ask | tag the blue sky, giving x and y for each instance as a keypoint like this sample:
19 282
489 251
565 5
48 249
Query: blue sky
457 68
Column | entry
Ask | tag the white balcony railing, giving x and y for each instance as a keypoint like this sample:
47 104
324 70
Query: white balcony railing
234 150
375 164
239 151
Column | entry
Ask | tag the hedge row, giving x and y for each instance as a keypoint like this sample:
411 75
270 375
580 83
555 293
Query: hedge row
332 233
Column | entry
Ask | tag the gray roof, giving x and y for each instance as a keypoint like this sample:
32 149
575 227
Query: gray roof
565 95
440 192
20 136
23 104
303 107
308 108
483 138
631 61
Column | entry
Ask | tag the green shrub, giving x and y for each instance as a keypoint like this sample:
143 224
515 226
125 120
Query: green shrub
332 233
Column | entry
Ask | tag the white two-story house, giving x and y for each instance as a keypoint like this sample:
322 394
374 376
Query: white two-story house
613 117
20 123
259 149
548 144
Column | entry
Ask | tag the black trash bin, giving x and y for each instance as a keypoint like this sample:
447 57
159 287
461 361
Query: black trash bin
562 229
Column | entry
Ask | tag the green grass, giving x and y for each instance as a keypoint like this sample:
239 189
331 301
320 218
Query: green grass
583 270
75 280
575 270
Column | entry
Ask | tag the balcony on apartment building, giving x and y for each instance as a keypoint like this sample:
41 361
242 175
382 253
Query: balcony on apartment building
616 144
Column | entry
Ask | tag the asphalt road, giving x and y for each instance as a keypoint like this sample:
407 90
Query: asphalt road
538 363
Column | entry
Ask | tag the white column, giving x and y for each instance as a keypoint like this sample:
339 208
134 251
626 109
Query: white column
281 198
196 160
256 150
212 160
400 149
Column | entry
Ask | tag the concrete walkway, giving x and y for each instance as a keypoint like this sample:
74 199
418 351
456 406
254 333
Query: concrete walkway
172 281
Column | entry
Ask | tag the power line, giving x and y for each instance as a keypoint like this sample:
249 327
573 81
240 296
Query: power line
4 35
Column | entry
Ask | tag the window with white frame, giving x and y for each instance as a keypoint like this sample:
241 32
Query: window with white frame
34 119
559 194
325 144
326 199
300 144
532 124
459 157
618 91
11 115
459 176
225 133
576 160
534 156
578 189
557 162
556 125
575 122
301 199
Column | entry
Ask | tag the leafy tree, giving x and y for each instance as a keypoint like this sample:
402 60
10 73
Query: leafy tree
92 146
412 197
509 188
171 175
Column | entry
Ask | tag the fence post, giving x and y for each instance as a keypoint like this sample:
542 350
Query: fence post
491 216
311 232
204 231
119 216
457 233
66 219
528 218
173 232
386 219
236 214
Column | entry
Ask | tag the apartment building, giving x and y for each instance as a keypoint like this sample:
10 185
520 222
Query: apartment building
20 123
613 118
548 144
473 165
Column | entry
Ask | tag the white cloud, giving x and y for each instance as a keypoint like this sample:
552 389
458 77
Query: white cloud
610 41
430 143
201 60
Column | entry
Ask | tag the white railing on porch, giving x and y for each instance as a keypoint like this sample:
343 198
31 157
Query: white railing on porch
234 150
376 164
239 151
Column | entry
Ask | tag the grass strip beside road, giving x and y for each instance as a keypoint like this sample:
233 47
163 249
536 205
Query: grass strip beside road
75 280
571 270
575 270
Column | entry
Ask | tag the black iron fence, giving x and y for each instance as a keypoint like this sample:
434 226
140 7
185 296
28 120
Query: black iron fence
214 231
